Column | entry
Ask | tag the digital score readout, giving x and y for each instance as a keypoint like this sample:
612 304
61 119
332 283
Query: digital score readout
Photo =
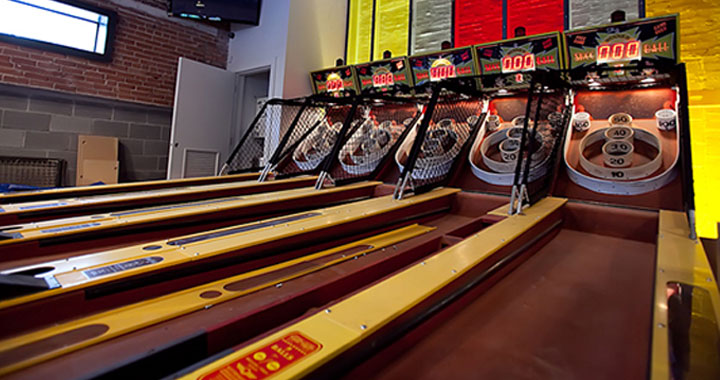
337 81
383 79
334 83
518 63
438 66
385 75
651 41
511 63
442 69
618 52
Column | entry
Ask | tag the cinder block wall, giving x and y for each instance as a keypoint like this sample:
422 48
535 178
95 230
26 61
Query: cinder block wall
40 123
47 99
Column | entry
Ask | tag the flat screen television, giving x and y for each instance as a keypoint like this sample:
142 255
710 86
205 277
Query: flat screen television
241 11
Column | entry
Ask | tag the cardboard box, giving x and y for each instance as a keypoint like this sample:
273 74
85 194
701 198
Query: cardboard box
97 160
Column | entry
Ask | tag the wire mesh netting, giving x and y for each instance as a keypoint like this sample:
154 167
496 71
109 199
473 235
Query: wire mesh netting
268 131
495 151
376 131
312 140
450 127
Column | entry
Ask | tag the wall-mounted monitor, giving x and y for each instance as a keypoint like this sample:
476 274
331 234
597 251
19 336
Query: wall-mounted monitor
66 26
240 11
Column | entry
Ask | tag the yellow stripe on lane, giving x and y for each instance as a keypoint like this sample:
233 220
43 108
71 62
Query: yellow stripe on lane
72 273
679 259
500 211
64 191
348 322
59 204
143 314
74 225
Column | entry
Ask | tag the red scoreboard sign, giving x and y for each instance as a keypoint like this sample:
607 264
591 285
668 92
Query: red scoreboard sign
336 81
652 40
509 63
385 75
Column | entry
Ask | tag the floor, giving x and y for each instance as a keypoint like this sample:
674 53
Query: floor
580 308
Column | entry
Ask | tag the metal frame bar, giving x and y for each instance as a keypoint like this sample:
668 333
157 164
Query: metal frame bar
417 144
452 24
549 186
641 8
686 150
410 23
347 30
516 195
504 17
372 32
275 158
328 161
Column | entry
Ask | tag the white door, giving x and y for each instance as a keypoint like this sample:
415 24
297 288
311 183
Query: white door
202 120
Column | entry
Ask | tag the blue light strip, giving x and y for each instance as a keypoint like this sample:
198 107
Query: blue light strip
97 34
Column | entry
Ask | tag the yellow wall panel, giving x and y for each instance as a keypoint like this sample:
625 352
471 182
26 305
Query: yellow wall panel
392 19
700 50
359 31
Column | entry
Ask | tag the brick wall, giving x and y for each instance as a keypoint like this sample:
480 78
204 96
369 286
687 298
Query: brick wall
146 50
47 99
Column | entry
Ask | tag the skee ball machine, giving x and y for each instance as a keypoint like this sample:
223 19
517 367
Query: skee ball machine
304 136
243 164
629 145
100 283
277 118
433 150
389 76
512 70
276 130
197 283
315 139
603 279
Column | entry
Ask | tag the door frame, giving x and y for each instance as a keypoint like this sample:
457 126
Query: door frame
235 134
173 128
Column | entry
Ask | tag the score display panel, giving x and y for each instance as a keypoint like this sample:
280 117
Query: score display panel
647 42
433 67
510 63
337 81
385 75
